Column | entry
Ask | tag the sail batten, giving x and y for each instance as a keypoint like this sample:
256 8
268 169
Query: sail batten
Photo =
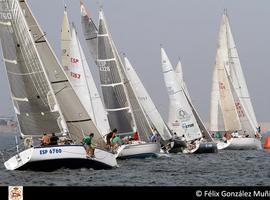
28 83
112 71
48 108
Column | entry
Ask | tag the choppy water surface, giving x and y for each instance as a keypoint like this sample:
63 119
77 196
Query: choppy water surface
238 168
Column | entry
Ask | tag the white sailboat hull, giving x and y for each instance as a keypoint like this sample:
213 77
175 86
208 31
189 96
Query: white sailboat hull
55 157
222 144
245 144
138 150
240 144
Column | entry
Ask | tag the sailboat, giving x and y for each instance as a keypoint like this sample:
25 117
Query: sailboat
231 107
124 110
43 99
181 119
182 114
148 105
79 74
207 145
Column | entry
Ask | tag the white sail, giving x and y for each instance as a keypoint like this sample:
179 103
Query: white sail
216 116
231 119
246 126
146 102
81 78
183 112
77 118
180 79
237 76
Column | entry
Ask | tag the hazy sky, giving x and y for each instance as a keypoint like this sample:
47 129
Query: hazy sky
187 29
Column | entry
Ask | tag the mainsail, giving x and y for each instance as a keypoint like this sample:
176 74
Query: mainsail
237 76
29 35
77 70
34 102
180 79
146 102
124 110
183 112
230 95
216 116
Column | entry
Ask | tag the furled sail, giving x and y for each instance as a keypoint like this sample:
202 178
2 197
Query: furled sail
146 102
183 112
78 72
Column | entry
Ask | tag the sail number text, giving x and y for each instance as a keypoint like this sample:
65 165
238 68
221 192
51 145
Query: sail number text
51 151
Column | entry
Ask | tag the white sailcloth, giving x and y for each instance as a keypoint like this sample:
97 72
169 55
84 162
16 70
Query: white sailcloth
180 79
146 102
231 94
231 119
182 110
77 118
216 116
81 78
237 76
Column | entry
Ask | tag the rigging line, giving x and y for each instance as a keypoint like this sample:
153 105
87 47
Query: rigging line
60 90
38 40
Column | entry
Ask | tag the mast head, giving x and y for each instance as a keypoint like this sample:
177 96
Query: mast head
225 12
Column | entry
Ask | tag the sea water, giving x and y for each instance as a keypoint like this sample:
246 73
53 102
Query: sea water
229 168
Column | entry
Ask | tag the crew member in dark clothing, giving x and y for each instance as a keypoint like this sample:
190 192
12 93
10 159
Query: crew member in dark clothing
54 139
109 137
